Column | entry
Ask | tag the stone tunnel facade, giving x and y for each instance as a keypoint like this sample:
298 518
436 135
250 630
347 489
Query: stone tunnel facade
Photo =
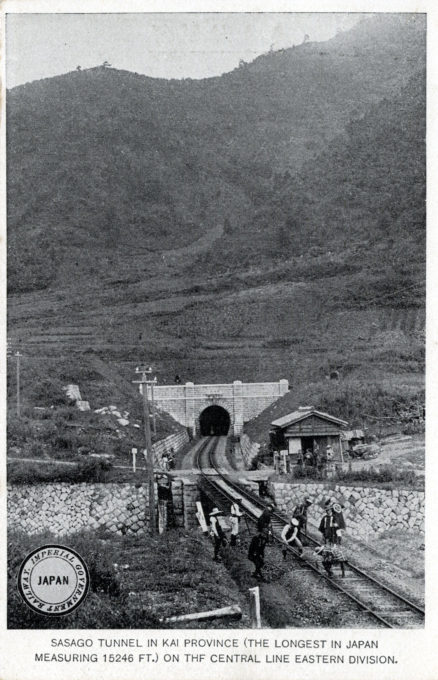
242 401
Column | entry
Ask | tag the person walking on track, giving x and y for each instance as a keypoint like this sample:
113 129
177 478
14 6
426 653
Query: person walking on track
264 522
331 555
256 553
300 513
217 532
338 517
289 536
236 513
328 526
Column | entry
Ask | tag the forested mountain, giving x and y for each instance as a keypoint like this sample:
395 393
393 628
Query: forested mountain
367 188
300 146
368 184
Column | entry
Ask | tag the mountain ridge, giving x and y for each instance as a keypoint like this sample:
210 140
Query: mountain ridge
106 157
310 209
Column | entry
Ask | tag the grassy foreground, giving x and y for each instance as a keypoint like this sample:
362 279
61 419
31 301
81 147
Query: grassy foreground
135 582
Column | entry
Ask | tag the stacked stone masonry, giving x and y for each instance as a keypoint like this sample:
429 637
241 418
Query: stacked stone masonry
65 509
190 498
165 446
248 449
178 502
368 511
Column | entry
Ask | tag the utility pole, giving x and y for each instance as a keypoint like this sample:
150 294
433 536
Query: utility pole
144 382
17 356
154 424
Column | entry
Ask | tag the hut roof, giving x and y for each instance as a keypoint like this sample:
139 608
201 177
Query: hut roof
304 412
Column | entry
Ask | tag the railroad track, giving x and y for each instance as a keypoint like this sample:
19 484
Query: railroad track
384 605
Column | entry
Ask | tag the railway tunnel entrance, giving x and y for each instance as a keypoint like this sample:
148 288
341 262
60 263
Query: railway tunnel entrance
214 420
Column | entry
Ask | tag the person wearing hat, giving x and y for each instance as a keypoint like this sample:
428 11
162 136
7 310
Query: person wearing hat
289 536
276 461
329 460
328 525
265 519
300 513
217 532
330 555
339 521
236 513
256 553
308 457
171 461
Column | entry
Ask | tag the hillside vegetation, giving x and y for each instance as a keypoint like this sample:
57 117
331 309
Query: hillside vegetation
108 162
365 190
266 223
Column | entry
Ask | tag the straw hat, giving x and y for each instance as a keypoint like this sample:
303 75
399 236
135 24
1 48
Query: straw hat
216 511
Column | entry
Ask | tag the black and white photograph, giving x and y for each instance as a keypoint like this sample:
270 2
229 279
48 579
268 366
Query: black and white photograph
216 287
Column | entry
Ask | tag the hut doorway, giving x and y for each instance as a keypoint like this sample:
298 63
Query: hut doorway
306 443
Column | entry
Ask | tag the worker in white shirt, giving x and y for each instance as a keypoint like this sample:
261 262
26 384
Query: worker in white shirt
289 536
217 532
235 514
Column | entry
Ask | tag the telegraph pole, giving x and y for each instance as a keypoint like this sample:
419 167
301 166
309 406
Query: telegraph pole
144 382
154 424
17 356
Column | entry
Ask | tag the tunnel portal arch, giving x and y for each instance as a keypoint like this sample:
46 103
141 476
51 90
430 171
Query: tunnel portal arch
242 401
214 420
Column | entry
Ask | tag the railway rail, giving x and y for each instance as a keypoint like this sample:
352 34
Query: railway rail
384 606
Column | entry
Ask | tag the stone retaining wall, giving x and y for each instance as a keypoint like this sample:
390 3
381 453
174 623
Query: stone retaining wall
190 496
368 511
69 508
174 441
249 450
178 502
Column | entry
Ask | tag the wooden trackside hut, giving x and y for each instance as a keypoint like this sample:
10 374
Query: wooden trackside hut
306 429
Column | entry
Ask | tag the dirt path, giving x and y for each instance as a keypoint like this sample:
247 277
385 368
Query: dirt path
291 596
188 461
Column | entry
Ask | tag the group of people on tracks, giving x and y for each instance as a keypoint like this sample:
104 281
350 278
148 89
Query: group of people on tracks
332 526
217 531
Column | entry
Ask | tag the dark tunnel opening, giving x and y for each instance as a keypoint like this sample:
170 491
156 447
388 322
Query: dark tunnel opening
214 420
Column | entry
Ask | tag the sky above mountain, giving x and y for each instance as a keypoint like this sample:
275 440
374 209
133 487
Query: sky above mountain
175 45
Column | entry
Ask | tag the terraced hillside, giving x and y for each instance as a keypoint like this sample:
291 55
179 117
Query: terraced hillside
268 223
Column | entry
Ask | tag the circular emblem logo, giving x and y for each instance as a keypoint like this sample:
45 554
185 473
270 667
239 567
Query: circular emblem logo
53 580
